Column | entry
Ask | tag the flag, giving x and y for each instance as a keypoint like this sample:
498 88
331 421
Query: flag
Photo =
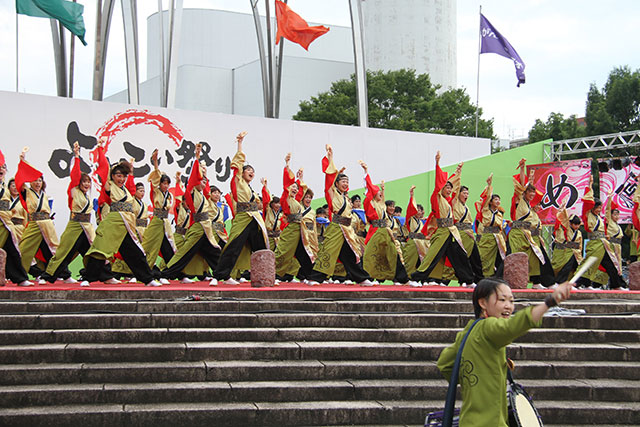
494 42
68 13
293 28
2 161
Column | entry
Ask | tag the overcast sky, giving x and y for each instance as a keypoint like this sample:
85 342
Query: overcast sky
566 45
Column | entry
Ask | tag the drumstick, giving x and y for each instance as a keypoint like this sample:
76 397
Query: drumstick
587 265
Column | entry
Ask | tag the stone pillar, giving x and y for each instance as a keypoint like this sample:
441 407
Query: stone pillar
3 265
634 276
516 270
263 268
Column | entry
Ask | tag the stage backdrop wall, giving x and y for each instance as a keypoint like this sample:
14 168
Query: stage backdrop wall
50 125
474 175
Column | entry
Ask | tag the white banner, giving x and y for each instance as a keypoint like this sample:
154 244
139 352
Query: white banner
50 125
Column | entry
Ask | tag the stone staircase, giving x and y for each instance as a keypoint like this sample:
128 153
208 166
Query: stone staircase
292 358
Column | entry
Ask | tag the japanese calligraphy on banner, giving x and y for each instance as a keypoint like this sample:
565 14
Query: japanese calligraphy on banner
623 183
560 182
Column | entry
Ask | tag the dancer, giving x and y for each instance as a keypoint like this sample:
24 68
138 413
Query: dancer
358 220
158 236
340 241
19 215
78 236
247 227
525 228
197 267
297 242
272 213
382 257
614 232
446 243
492 245
116 232
598 246
463 221
417 244
567 244
8 238
200 237
484 400
40 235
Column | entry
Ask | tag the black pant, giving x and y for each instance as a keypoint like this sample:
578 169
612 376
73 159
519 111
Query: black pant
565 271
36 271
355 272
251 234
401 272
306 266
81 246
97 271
13 267
476 263
210 253
615 280
546 277
458 258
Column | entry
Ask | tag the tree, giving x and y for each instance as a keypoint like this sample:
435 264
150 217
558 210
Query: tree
615 108
557 128
398 100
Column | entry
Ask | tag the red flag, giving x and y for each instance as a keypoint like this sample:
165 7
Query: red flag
25 173
1 158
293 28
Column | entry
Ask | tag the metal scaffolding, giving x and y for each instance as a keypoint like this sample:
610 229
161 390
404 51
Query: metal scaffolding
559 150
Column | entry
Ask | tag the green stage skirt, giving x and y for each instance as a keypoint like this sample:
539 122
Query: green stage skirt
380 256
68 239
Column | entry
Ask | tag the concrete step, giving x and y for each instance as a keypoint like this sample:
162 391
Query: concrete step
295 391
150 335
294 350
288 370
290 320
391 412
351 292
458 306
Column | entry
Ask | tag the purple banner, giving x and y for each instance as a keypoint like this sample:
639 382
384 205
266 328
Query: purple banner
494 42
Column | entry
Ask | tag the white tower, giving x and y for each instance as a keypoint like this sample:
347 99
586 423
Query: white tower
417 34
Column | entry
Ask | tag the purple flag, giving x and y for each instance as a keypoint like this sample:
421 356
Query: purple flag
494 42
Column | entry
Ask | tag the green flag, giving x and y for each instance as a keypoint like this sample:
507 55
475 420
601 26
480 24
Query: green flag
68 13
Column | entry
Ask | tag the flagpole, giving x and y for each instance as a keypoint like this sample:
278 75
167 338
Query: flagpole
478 74
16 51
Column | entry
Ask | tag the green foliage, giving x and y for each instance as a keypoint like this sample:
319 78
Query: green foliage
615 108
557 128
398 100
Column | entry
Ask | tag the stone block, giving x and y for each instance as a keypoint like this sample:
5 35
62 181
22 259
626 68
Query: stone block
634 276
3 265
263 268
516 270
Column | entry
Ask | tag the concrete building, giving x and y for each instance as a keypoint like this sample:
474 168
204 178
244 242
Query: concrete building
219 66
417 34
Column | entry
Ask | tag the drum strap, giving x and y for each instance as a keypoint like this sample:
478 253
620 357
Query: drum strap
450 403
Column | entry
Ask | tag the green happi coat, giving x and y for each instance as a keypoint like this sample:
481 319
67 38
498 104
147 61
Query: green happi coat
79 221
158 228
483 372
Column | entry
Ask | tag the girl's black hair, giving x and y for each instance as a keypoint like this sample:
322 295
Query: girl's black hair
484 289
139 185
420 207
275 199
596 203
464 187
493 196
355 197
165 178
123 167
389 203
309 192
245 167
213 188
575 220
340 176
